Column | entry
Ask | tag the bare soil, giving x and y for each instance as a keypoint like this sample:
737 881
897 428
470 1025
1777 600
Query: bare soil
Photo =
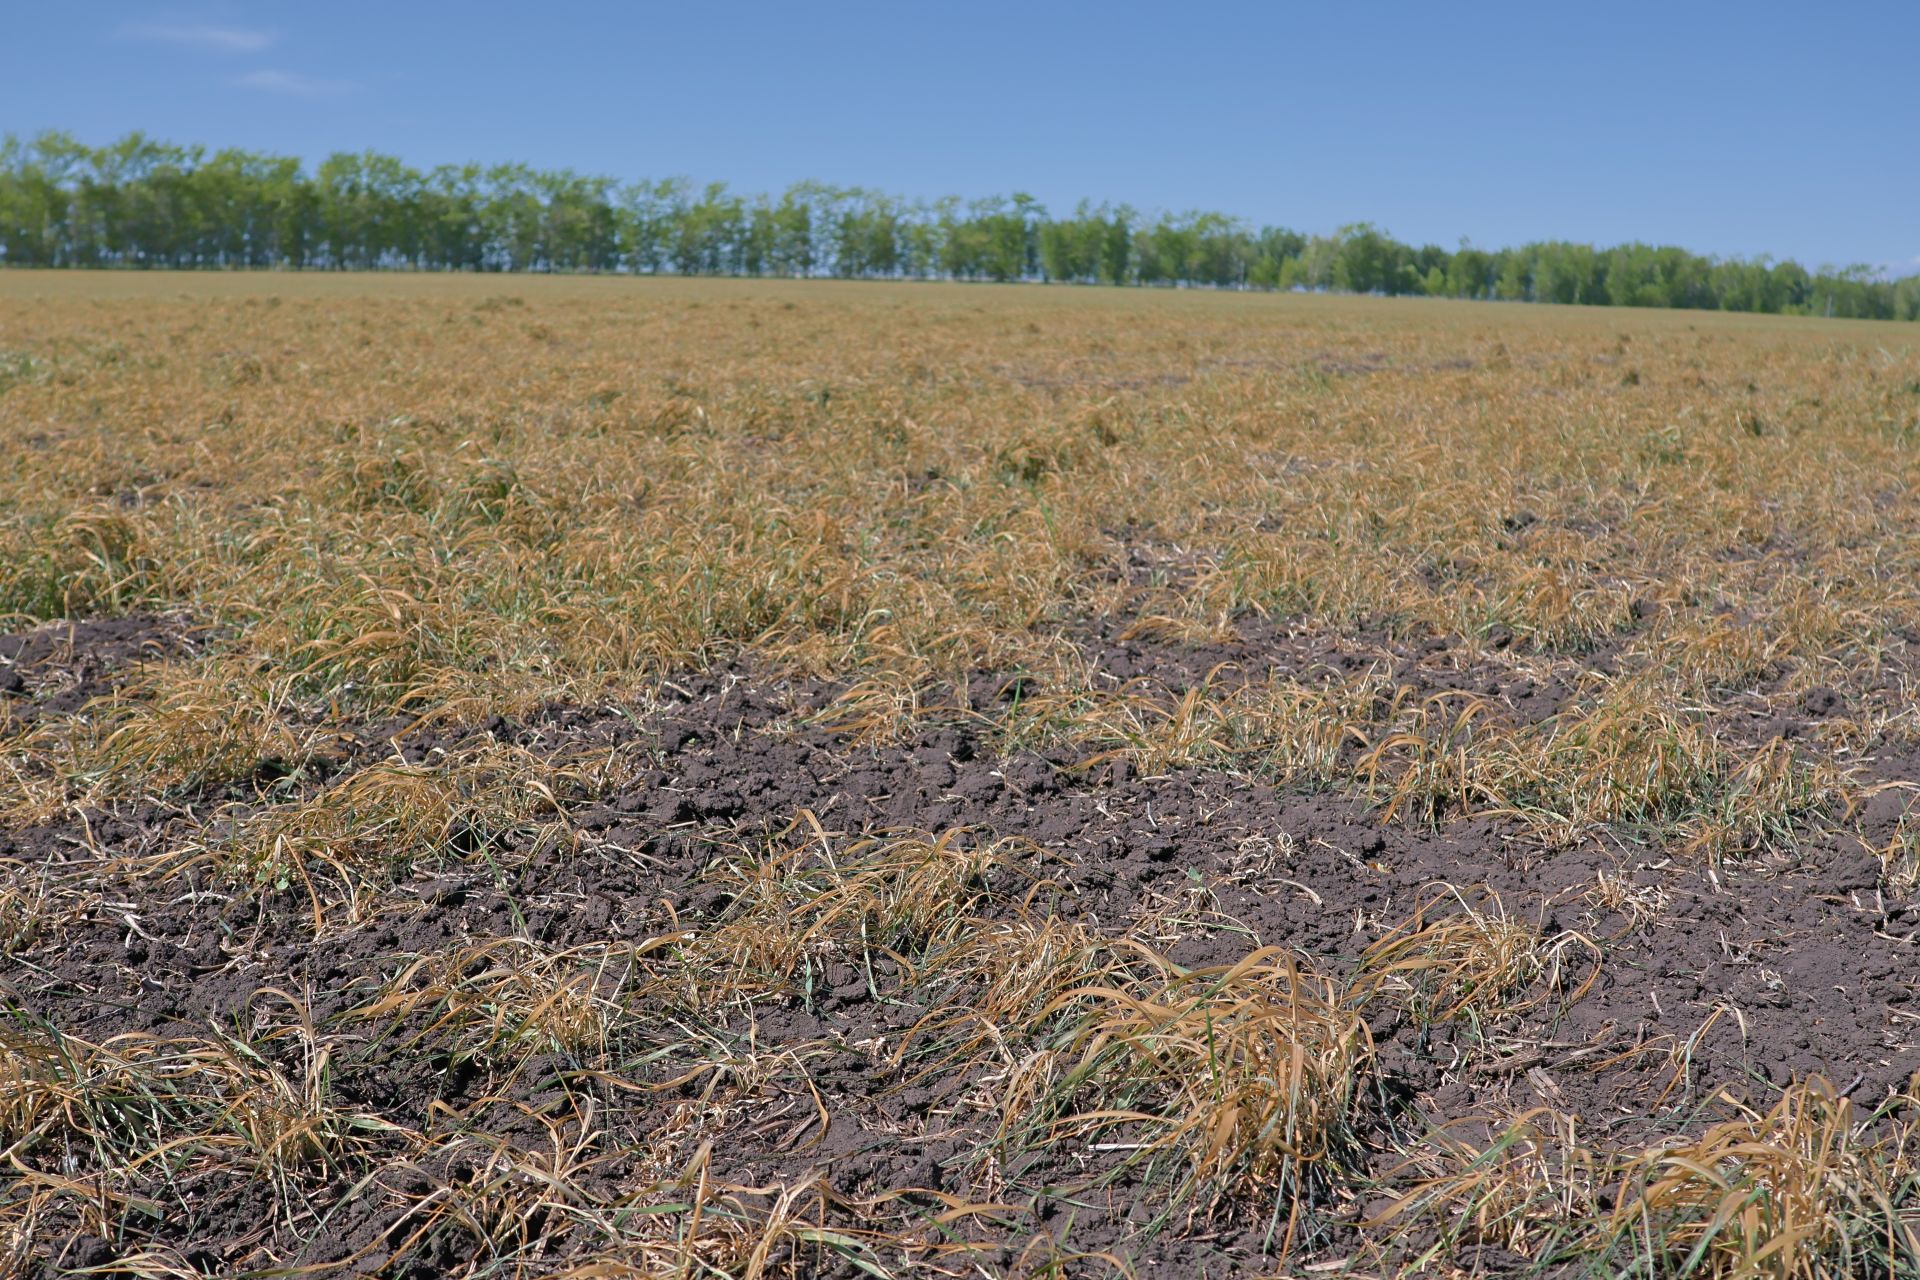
1817 965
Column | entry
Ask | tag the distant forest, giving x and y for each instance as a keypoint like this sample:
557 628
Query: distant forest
143 203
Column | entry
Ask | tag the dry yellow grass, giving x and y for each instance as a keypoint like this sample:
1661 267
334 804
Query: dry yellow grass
404 514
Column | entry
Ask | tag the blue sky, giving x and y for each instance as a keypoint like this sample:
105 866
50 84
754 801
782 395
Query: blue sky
1728 128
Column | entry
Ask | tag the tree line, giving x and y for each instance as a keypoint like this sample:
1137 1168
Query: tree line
140 202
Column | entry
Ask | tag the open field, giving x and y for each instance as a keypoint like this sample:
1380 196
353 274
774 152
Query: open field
614 778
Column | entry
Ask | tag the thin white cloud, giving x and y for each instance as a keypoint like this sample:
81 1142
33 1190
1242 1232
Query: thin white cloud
294 84
199 36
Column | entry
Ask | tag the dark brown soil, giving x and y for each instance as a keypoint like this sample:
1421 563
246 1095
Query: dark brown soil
56 670
1803 948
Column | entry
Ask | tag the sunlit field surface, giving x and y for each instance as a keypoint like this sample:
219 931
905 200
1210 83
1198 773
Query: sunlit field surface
607 778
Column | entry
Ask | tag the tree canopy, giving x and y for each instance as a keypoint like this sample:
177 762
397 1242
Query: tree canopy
139 202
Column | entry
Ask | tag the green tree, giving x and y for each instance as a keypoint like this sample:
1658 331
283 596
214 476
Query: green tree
142 202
